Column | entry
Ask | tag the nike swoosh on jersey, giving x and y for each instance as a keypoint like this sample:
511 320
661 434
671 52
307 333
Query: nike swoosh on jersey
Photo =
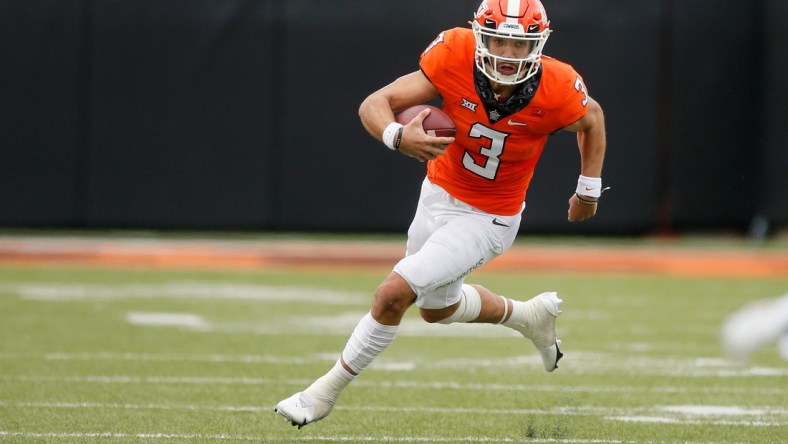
513 123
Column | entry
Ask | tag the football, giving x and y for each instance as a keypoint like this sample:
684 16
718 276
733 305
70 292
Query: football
437 124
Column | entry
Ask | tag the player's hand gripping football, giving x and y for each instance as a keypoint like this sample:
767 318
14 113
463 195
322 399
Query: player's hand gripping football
581 210
418 144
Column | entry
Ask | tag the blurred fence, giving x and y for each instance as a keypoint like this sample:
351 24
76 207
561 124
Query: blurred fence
242 114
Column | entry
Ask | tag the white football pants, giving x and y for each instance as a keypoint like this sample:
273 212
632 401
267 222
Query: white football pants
446 241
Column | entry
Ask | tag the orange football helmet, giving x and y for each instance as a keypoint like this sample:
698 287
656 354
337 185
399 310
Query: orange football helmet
522 21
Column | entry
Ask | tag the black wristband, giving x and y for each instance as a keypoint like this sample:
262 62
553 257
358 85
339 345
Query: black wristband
586 201
398 138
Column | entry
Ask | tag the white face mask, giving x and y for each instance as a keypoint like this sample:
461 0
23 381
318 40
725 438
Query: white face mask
514 65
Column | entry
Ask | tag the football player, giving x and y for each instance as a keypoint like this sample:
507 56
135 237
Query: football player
505 98
756 325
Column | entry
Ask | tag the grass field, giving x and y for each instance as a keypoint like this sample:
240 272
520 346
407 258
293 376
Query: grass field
172 355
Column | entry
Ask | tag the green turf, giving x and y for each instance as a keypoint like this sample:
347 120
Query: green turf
642 361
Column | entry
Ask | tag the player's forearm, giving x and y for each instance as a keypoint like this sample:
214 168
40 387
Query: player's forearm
592 144
592 153
377 110
375 114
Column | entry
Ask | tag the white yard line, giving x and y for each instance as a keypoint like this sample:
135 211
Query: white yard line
689 421
189 290
129 379
162 319
559 410
582 362
175 357
300 438
668 413
699 415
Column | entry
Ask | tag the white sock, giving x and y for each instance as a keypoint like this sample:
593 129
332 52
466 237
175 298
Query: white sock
329 386
469 308
368 340
514 318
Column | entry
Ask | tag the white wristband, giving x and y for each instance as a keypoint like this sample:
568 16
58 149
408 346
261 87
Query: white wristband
589 186
390 135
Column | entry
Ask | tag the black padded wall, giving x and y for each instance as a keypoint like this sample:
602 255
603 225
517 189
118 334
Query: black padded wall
42 121
771 201
716 96
242 114
180 114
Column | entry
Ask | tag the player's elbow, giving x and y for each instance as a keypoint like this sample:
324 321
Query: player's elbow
595 112
368 106
364 113
363 108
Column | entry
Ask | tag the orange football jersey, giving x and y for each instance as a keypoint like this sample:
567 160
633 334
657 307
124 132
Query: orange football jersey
491 163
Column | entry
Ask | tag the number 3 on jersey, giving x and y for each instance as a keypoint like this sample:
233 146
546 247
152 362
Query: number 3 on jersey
488 169
581 88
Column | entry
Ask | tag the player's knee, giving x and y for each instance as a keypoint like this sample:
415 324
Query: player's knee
435 315
390 304
392 299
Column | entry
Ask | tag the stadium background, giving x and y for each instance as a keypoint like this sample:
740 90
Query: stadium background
242 114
